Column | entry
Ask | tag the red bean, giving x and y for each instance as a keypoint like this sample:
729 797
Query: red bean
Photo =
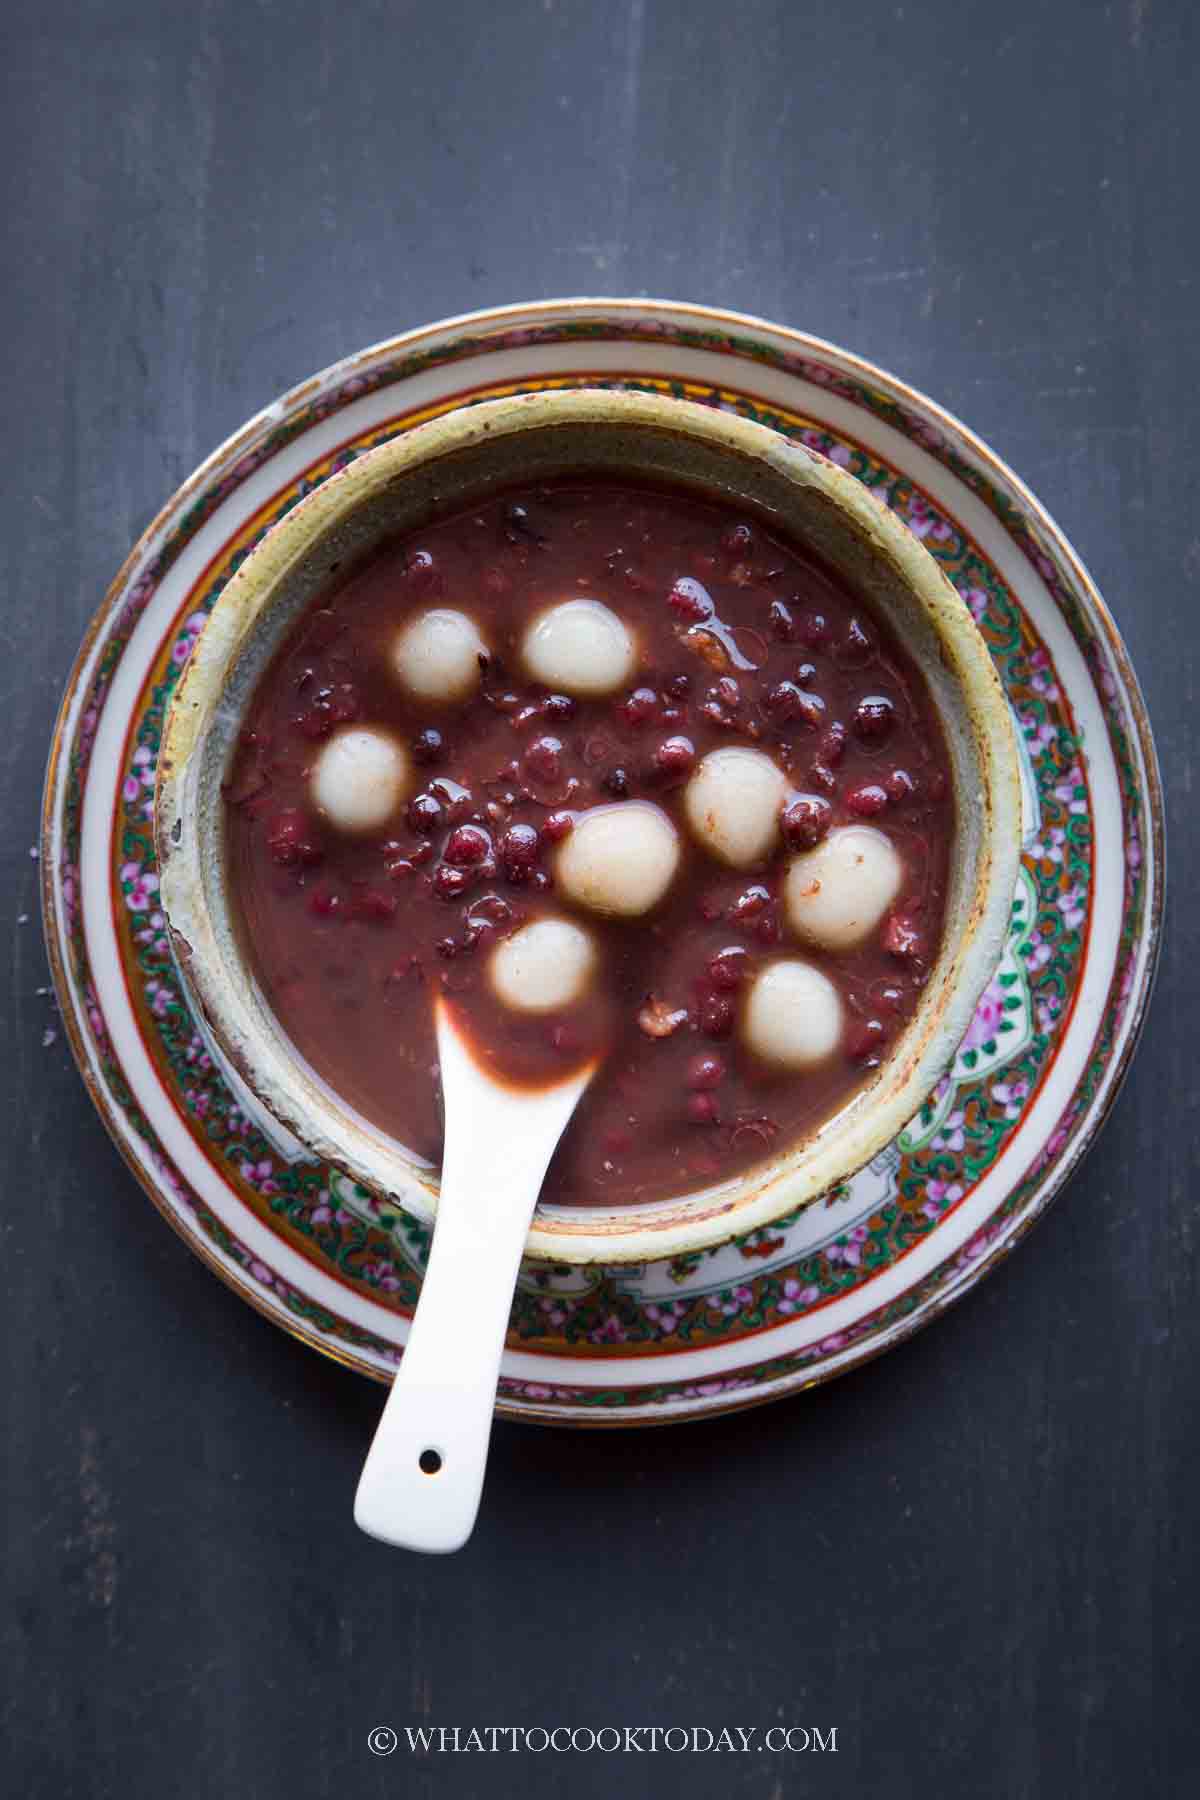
856 646
519 849
467 846
705 1071
543 760
874 719
867 1042
787 703
640 707
292 839
450 883
832 747
675 757
783 625
375 905
690 600
728 968
424 814
749 903
866 801
805 820
716 1015
428 746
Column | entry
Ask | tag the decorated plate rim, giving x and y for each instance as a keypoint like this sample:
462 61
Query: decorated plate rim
614 311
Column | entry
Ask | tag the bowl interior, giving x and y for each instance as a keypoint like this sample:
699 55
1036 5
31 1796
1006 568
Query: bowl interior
444 466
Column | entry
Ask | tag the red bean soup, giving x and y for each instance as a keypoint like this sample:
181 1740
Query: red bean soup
791 903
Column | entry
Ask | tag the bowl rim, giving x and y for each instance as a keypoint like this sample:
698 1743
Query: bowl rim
908 1073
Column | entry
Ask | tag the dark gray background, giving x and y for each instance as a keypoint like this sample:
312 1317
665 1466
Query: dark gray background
977 1557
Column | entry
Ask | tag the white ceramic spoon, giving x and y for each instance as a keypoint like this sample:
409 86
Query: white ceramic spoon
421 1484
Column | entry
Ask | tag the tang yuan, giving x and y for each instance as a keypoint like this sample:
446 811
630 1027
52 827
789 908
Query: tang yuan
619 859
624 776
793 1015
439 655
581 647
837 895
543 966
733 803
359 779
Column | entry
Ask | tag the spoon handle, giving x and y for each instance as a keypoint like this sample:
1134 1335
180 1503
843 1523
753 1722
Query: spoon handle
421 1484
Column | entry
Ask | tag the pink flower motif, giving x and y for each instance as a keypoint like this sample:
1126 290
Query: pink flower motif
940 1196
1066 789
796 1298
1042 677
197 1100
732 1300
96 1022
1047 1012
142 889
841 456
611 1332
261 1175
666 1314
158 997
923 521
322 1212
986 1023
382 1275
951 1135
155 933
1009 1095
262 1274
556 1309
1038 956
1050 846
848 1250
977 601
533 1390
1073 907
974 1250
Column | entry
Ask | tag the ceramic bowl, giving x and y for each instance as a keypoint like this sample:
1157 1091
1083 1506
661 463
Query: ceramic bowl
447 463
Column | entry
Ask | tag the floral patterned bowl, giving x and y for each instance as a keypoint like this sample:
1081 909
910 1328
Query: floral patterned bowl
524 437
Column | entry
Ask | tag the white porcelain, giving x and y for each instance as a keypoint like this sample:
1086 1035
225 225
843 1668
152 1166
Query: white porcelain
421 1484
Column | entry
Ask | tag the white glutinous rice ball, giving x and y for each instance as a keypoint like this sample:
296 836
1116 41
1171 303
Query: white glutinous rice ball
732 804
436 655
580 647
836 895
544 966
619 859
793 1016
359 779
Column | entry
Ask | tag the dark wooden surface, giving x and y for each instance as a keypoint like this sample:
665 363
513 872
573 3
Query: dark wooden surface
976 1558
